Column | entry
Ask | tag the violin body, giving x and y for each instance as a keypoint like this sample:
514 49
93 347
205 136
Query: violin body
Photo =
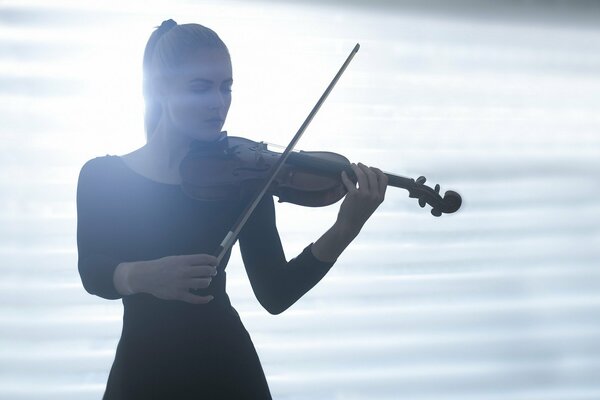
242 165
238 166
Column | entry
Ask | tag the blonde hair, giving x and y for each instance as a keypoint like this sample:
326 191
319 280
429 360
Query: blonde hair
167 49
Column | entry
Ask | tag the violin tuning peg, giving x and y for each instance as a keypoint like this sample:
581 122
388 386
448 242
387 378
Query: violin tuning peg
437 188
422 202
421 180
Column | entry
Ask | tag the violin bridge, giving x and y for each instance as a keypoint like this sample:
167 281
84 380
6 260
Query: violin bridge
259 153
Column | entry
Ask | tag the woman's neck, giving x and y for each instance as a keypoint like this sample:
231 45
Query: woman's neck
159 159
166 148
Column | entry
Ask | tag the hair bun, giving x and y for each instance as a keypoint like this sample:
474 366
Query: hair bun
166 25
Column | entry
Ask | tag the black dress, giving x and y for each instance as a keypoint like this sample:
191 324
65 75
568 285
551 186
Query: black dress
172 349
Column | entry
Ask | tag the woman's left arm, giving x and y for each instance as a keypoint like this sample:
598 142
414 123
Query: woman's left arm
278 283
358 205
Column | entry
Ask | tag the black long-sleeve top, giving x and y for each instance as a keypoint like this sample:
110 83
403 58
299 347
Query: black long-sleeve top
123 216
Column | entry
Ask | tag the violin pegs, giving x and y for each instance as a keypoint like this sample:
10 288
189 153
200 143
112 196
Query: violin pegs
421 180
422 202
437 188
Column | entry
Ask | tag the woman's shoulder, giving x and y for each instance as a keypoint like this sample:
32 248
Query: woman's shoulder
100 161
103 174
99 166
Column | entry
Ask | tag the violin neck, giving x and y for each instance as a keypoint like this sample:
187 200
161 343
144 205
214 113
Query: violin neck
334 168
399 181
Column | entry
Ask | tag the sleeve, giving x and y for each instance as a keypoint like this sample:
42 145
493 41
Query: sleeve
277 283
96 262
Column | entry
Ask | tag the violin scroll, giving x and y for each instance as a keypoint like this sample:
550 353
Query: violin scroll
450 203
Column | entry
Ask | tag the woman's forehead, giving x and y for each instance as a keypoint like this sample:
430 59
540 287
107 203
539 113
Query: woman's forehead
211 64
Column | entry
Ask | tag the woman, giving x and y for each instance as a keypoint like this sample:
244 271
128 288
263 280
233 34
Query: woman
141 239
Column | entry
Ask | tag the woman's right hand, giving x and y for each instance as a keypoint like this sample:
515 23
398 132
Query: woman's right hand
172 277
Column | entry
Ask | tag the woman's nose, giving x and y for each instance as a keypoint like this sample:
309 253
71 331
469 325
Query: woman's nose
217 101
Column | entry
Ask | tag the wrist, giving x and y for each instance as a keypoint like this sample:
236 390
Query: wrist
124 278
345 230
329 246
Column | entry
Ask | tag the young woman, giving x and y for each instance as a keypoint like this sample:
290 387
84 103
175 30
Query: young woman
143 240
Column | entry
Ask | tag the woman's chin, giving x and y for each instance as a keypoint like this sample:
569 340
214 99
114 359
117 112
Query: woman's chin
206 135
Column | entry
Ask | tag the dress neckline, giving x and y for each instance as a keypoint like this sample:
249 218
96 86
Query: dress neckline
132 171
218 145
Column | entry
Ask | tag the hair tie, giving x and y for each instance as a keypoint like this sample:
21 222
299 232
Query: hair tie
166 25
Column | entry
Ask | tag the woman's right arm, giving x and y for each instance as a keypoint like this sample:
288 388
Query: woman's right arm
95 231
104 274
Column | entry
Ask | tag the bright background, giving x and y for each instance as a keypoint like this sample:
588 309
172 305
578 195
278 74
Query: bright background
497 100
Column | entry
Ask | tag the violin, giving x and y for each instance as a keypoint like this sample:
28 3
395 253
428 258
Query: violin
232 166
235 165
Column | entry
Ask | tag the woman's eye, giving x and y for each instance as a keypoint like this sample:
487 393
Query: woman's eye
199 90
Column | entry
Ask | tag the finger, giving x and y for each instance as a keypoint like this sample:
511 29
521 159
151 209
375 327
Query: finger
371 178
382 180
363 183
194 299
199 271
199 259
198 283
350 186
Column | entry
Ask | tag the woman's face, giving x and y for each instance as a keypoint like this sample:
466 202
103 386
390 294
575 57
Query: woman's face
197 99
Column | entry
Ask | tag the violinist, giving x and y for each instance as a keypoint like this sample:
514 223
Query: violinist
141 239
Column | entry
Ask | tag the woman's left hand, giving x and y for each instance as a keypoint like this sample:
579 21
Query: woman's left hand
360 203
